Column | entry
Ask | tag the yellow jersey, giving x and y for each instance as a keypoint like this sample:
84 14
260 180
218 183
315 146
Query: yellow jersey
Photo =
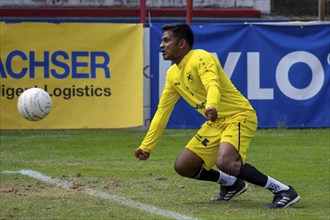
201 81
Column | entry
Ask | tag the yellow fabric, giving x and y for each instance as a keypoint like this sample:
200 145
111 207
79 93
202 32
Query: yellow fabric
237 131
201 81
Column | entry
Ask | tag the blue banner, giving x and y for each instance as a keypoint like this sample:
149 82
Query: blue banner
283 69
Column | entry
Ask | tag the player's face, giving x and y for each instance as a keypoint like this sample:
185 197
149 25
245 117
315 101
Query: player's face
170 47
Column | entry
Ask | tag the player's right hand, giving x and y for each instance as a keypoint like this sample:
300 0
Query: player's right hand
140 154
211 114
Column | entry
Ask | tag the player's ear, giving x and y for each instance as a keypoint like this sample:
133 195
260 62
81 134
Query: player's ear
182 43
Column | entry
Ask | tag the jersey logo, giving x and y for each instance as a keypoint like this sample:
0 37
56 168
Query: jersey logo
177 83
202 140
190 78
200 106
205 141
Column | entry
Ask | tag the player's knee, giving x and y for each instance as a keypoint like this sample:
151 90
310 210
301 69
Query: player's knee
181 169
226 166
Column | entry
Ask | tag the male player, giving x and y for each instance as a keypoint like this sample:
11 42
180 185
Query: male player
223 139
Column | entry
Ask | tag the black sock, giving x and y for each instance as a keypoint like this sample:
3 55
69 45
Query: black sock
207 175
250 174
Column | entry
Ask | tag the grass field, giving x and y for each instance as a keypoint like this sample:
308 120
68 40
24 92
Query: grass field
103 161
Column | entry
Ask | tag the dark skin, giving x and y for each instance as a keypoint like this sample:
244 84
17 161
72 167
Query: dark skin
188 163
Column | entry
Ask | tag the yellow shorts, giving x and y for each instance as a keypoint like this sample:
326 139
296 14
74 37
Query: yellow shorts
237 131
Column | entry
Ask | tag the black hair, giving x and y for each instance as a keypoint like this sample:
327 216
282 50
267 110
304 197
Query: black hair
181 31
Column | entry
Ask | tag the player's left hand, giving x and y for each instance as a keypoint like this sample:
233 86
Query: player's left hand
211 114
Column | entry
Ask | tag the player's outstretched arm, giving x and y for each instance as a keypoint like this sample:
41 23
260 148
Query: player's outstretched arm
141 155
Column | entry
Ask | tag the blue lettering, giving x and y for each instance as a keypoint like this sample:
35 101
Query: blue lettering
34 64
9 64
76 64
58 63
2 70
103 65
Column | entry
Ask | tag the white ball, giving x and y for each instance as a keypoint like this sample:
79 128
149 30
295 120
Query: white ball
34 104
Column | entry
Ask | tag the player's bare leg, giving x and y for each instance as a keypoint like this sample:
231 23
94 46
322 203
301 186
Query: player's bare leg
228 159
188 163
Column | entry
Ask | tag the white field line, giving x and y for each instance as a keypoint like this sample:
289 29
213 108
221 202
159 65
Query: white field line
118 199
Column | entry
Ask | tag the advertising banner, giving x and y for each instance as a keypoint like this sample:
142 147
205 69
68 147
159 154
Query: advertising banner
283 69
92 71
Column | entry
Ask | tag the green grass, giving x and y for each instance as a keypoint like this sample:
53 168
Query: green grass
103 160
